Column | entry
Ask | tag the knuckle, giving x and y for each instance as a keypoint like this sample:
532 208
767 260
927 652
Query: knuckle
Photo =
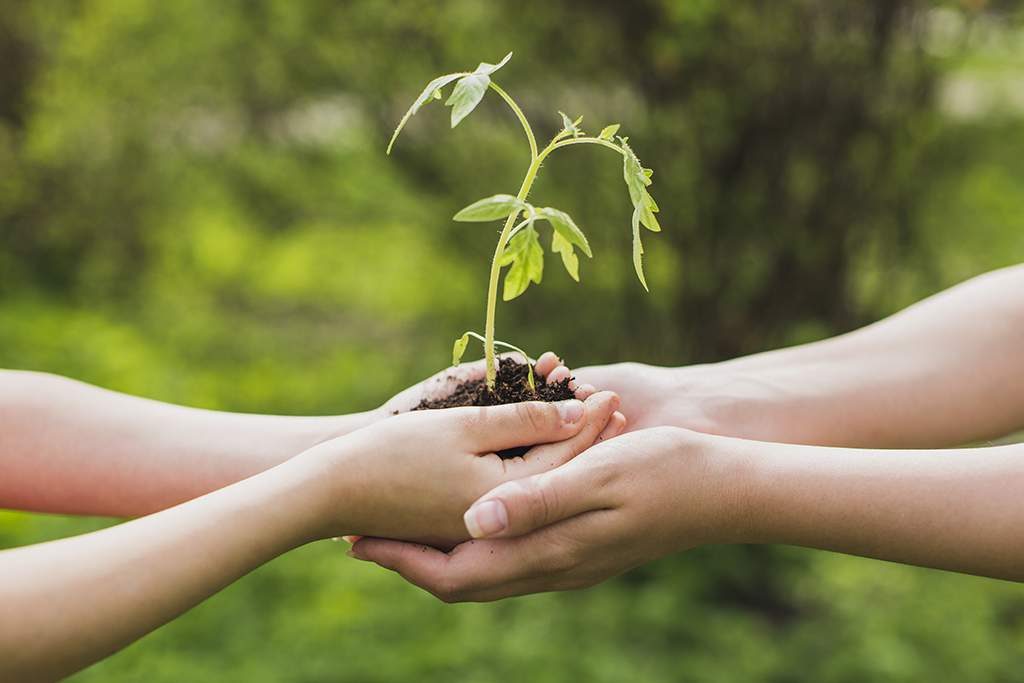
539 416
543 502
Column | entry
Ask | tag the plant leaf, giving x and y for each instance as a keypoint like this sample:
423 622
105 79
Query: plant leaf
486 69
638 249
570 260
638 179
432 91
527 259
569 127
490 209
566 226
467 94
608 132
460 348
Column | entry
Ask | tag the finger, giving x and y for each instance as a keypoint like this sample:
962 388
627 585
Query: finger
598 411
557 561
616 425
557 375
472 567
496 428
547 362
482 571
524 505
584 391
418 564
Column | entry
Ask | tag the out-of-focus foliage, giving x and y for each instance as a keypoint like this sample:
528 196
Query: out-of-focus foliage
195 206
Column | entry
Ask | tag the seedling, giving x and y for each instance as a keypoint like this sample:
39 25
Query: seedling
519 246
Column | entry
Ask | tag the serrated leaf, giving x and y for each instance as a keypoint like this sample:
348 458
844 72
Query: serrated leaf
432 91
570 260
608 132
459 349
638 179
468 92
514 248
491 208
488 69
638 250
566 226
527 259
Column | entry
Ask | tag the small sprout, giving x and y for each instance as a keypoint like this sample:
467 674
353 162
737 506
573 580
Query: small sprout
570 127
459 350
519 247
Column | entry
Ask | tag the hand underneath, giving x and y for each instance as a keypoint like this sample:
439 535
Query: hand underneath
716 398
413 476
620 504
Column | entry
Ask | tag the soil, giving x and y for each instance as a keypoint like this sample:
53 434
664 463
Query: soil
510 386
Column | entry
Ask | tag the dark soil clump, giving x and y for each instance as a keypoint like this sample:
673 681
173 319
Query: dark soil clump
510 386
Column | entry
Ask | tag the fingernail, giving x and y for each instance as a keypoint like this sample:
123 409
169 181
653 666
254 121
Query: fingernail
352 554
486 519
571 411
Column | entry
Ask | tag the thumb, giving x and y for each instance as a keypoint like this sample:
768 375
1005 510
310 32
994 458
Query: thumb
518 507
496 428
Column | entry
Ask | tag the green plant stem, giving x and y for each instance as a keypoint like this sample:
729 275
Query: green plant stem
492 286
536 158
519 115
580 141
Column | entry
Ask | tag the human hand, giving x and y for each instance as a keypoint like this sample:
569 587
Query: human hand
440 384
727 399
623 502
414 475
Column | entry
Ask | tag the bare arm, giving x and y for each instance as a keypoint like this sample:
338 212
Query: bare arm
943 372
69 447
657 491
71 602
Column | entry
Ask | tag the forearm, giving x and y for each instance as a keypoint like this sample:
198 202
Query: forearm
955 509
69 447
941 373
68 603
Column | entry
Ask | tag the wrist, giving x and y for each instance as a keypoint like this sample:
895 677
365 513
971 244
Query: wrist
727 472
327 489
726 401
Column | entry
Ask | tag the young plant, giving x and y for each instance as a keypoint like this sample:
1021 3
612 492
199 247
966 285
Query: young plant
519 246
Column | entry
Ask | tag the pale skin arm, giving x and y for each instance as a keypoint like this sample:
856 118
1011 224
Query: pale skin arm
941 373
68 603
657 491
68 447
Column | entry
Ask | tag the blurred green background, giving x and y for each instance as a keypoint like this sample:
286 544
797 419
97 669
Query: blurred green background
195 206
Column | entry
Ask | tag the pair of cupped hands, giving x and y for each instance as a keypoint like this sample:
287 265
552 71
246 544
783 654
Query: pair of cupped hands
588 501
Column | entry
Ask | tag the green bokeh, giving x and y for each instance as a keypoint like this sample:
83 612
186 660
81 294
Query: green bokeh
195 206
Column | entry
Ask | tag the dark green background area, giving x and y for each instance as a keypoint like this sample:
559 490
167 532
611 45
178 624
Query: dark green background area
195 206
